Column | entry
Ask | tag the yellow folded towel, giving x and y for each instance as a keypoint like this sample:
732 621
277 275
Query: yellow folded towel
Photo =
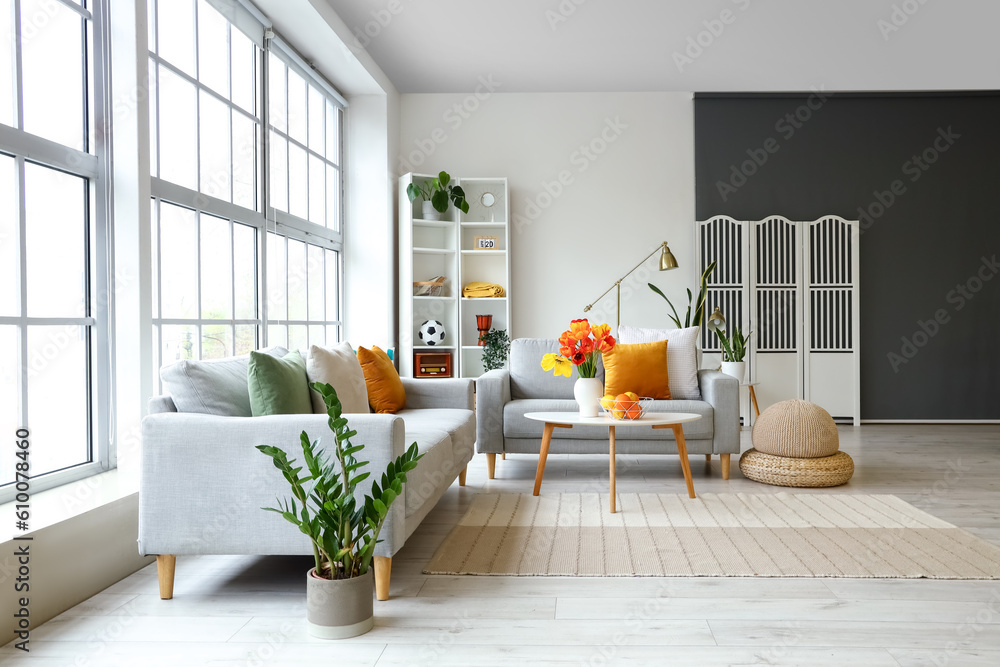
477 290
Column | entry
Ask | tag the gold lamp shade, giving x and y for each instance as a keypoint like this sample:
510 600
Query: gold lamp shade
667 259
716 321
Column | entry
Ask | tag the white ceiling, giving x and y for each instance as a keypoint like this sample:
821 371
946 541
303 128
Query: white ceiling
437 46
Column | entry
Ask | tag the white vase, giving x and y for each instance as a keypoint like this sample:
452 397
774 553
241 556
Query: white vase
738 369
587 392
429 212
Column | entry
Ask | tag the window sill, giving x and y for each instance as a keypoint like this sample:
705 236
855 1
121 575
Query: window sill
70 500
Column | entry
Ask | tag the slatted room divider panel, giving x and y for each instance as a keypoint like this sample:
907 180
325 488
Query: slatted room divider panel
795 285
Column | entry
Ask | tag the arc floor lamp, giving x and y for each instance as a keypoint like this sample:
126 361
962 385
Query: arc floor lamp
667 262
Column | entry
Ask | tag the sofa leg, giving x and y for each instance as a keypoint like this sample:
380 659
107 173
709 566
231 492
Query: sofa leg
708 457
503 456
491 465
165 572
383 567
461 476
725 466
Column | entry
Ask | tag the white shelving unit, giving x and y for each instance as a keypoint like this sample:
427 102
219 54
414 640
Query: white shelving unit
446 247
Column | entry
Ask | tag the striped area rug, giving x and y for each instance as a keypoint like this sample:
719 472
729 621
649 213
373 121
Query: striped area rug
727 535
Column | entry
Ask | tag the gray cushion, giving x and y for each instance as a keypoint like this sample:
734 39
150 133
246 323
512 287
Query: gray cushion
215 386
516 425
527 379
460 425
423 481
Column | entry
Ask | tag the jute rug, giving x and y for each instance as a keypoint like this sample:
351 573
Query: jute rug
729 535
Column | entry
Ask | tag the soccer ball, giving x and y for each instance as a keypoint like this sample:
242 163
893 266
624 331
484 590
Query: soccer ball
431 332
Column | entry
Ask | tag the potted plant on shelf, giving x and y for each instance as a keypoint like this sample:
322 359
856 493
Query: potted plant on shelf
734 351
436 193
496 345
339 587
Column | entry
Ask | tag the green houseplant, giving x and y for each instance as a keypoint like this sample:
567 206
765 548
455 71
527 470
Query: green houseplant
698 304
496 346
438 191
734 351
343 534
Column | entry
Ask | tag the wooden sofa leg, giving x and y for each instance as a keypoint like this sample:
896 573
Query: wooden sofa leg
383 567
461 476
491 465
708 457
165 572
725 466
503 456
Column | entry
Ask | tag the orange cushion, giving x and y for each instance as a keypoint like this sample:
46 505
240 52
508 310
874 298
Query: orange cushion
385 390
641 367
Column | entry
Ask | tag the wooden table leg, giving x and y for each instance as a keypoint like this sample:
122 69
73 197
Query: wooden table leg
753 397
683 451
544 452
611 441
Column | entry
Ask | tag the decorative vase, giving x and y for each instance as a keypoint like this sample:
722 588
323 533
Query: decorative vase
429 212
483 323
338 609
738 369
587 392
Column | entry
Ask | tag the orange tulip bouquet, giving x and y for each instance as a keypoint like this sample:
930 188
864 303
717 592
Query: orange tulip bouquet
581 345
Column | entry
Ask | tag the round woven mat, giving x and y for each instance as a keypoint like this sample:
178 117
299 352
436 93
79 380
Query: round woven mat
786 471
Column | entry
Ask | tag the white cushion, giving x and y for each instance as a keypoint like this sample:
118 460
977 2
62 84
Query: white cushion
339 367
682 356
213 386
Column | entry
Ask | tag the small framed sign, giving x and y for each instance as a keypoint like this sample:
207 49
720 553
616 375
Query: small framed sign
486 242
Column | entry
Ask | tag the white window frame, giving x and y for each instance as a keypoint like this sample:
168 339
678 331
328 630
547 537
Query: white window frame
94 167
244 16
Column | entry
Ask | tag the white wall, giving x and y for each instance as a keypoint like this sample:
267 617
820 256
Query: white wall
631 190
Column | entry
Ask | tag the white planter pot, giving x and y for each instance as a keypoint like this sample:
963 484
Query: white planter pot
429 212
738 369
339 609
587 392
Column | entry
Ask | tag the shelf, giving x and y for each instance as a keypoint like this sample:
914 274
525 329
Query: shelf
484 298
433 298
480 252
433 348
420 222
484 225
434 251
474 347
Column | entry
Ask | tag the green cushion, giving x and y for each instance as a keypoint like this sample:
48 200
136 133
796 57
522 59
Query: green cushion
278 386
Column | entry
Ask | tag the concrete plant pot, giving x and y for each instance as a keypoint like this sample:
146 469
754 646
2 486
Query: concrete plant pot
428 211
338 609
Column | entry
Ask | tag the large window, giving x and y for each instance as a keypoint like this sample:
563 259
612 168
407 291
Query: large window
246 222
54 236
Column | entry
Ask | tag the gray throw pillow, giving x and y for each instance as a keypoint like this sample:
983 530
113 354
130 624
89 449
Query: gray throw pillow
214 387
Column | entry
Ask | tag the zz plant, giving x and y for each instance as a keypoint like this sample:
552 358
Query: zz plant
323 505
438 191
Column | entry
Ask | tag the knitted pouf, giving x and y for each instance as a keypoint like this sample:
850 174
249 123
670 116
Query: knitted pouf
787 471
795 428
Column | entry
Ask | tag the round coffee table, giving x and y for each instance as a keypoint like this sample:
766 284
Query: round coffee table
554 420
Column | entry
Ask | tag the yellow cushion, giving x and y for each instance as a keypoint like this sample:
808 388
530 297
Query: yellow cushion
641 367
385 390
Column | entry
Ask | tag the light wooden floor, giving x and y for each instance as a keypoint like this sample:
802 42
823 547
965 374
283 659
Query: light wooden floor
250 611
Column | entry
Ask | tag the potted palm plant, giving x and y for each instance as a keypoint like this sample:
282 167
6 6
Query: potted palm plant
734 351
343 534
436 194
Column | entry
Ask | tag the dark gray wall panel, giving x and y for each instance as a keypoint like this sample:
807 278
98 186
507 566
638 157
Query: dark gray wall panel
930 284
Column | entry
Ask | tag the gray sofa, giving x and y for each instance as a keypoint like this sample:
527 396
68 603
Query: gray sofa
504 396
203 482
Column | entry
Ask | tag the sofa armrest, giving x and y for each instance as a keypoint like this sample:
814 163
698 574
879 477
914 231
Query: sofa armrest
723 393
164 403
492 393
439 393
203 482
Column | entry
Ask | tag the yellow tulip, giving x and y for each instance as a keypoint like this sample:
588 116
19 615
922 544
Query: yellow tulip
557 363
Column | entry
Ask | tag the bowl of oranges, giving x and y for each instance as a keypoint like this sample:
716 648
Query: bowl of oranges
628 405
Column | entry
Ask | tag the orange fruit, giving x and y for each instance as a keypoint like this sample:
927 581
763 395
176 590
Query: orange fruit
634 411
622 404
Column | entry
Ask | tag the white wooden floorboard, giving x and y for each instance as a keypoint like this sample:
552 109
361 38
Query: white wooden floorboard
247 610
